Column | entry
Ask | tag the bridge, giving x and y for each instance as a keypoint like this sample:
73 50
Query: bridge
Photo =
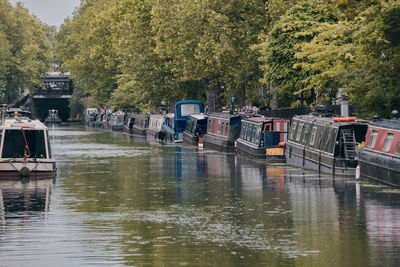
55 94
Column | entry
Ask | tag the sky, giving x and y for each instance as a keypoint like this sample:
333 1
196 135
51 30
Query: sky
51 12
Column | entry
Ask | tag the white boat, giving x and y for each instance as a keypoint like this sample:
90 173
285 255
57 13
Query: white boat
24 149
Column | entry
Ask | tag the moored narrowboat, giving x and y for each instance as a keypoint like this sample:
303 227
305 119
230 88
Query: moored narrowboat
129 121
91 116
141 124
262 137
25 149
155 126
196 127
323 142
115 121
222 131
175 123
379 159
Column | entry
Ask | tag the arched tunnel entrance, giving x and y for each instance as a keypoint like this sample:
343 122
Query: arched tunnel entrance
42 106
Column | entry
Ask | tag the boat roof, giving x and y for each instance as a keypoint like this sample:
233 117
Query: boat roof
390 124
190 101
17 123
157 116
328 120
198 116
223 115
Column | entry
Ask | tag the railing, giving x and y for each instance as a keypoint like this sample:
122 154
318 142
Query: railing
53 92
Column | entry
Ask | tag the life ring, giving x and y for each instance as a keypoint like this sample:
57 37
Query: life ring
343 119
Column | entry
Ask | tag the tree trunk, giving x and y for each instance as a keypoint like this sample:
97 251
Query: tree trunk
275 100
213 96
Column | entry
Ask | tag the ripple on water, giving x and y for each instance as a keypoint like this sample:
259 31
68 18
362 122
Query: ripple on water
93 150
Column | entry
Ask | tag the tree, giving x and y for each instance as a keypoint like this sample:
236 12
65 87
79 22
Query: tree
374 79
282 69
25 50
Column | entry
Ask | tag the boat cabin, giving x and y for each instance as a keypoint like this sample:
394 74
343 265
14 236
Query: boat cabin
141 123
116 121
196 127
25 148
183 110
261 137
53 117
175 123
155 125
325 143
129 120
222 131
379 159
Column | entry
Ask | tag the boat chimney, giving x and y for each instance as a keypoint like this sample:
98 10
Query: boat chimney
395 114
344 102
3 113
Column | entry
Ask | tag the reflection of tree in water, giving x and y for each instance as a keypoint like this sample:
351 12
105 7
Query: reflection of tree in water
19 199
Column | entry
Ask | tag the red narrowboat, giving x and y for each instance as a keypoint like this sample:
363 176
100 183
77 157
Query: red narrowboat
262 137
379 159
222 131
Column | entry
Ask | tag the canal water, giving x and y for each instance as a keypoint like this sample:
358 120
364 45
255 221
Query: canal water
120 200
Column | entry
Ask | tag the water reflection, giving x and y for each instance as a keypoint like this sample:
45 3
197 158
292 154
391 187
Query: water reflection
22 200
124 200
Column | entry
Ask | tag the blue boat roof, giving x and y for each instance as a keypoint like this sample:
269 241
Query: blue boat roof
188 102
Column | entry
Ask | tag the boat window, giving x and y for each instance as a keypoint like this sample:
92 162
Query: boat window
388 142
222 128
226 128
242 130
322 134
293 130
257 138
398 147
254 139
190 109
372 139
305 134
267 127
14 144
331 140
313 134
278 126
248 133
298 135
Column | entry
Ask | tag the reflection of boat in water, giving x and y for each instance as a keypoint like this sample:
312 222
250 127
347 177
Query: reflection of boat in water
52 117
25 149
18 197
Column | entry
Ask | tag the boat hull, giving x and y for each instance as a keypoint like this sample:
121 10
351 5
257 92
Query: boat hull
319 161
14 170
191 139
138 131
219 143
273 154
379 167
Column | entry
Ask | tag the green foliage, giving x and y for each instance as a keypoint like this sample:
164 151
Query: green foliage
283 70
24 52
137 53
374 79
